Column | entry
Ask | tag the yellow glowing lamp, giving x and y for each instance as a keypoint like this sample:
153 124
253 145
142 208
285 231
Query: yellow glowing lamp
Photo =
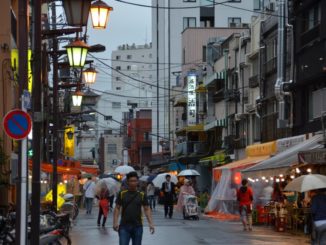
100 12
90 75
61 191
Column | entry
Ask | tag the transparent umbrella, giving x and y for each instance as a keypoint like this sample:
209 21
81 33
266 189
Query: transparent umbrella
111 184
125 169
306 183
159 179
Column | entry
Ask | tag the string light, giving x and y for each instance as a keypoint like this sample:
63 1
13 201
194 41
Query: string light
266 181
292 176
66 181
271 178
277 180
282 179
309 170
297 170
257 180
263 178
281 175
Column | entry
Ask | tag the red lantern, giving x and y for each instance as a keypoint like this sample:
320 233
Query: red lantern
237 178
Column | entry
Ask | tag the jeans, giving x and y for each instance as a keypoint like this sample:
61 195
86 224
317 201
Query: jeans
127 232
152 202
88 204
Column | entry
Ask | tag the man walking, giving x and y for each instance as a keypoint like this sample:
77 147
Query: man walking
245 197
130 202
168 189
89 189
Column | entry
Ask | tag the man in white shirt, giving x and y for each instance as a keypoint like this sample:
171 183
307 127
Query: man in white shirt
89 189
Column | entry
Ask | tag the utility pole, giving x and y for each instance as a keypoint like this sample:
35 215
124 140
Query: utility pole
157 79
55 111
37 120
169 75
21 202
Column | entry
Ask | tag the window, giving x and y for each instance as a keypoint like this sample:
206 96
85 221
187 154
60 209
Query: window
150 55
234 22
204 53
118 67
234 1
189 22
117 88
317 103
129 56
189 1
183 56
118 79
116 105
128 68
118 57
112 148
257 5
311 18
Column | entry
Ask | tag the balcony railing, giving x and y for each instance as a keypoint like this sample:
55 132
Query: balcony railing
232 95
190 147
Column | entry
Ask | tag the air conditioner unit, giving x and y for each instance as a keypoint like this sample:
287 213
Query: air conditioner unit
233 25
238 116
245 25
249 108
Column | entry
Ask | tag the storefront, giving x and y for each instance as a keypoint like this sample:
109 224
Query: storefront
227 178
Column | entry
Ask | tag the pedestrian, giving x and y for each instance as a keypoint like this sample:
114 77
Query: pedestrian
168 189
186 189
245 198
104 202
89 189
151 195
130 202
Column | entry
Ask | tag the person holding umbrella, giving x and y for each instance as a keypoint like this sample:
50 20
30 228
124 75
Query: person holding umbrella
104 202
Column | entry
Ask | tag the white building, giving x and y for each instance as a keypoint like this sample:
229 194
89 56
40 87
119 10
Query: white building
237 13
132 77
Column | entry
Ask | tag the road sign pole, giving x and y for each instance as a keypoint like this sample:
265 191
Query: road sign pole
23 188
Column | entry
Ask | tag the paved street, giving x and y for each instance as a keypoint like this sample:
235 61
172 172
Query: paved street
178 231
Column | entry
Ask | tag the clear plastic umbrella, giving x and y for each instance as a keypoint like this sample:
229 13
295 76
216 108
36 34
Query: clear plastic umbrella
189 172
159 179
306 183
111 184
125 169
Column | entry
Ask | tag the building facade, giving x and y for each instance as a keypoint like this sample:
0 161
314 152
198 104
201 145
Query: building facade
182 15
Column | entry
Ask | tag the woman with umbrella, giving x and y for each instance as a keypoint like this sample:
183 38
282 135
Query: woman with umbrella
104 203
186 189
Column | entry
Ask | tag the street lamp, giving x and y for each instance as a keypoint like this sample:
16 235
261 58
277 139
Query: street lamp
77 98
76 11
90 75
100 14
77 52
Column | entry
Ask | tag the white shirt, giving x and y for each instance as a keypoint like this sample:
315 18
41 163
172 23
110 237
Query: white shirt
89 188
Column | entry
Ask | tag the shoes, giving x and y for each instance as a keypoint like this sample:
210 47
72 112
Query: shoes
98 225
165 216
103 225
244 229
170 216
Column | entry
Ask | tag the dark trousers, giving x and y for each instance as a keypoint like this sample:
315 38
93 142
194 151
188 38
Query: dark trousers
168 205
100 213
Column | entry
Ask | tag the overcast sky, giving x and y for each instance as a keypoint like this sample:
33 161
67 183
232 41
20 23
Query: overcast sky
127 24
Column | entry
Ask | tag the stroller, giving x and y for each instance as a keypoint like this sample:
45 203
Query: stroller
190 207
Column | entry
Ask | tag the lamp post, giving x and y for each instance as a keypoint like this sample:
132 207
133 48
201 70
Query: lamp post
100 12
76 11
90 75
77 52
77 98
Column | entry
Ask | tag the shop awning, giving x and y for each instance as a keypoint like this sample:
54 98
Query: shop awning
181 102
176 166
243 163
192 128
281 162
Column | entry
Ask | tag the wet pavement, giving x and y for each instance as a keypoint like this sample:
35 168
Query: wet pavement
177 231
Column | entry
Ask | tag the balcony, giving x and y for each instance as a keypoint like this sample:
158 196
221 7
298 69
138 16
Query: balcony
232 95
210 79
218 96
191 147
253 81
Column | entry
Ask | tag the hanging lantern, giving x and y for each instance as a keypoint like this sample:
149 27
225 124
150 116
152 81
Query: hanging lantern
100 12
76 11
77 98
77 52
237 178
90 75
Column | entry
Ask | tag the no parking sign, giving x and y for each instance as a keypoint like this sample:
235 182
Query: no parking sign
17 124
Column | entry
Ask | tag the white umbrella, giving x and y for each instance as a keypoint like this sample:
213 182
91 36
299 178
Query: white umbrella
125 169
159 179
189 172
306 183
111 184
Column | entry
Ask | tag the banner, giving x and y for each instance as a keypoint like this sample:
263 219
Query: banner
69 141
